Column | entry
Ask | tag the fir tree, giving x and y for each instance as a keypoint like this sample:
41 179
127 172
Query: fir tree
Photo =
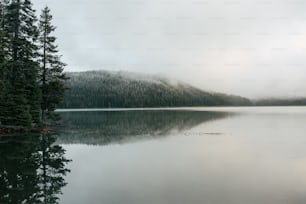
3 55
22 87
31 73
52 76
31 66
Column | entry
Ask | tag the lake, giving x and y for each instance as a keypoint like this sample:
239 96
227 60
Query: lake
237 155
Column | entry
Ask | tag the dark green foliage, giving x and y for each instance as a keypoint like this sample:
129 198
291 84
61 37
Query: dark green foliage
21 83
101 89
14 107
2 51
16 114
51 75
2 60
20 71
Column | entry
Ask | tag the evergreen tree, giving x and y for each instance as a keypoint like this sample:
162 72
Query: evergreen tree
3 55
31 66
52 76
2 10
22 89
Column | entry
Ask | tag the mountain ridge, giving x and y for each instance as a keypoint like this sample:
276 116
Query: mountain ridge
118 89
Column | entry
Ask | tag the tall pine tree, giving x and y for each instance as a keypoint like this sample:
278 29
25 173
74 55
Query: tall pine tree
22 89
52 76
31 72
31 66
2 10
2 60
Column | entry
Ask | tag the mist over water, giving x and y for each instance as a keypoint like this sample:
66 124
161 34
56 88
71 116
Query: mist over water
232 155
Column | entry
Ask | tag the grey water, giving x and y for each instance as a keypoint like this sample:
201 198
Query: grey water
161 156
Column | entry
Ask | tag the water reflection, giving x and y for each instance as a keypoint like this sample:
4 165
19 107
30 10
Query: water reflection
260 157
32 169
102 128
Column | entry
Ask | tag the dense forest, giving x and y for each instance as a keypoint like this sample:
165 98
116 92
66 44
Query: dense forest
31 72
105 89
281 102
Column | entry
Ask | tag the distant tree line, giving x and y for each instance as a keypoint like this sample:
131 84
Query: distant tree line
31 72
281 102
106 89
109 90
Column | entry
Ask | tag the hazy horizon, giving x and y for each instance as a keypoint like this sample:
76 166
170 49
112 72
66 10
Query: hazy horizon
250 48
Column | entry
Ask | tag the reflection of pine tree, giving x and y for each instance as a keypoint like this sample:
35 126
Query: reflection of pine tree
18 176
31 169
52 169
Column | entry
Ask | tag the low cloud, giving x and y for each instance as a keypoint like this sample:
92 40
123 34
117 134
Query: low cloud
246 47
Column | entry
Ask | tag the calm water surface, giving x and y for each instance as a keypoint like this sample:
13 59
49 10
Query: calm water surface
189 155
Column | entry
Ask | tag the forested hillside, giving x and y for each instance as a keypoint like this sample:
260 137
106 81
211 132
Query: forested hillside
281 102
104 89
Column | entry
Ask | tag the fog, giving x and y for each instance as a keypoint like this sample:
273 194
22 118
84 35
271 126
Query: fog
247 47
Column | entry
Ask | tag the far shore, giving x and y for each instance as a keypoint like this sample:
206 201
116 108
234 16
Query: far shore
195 108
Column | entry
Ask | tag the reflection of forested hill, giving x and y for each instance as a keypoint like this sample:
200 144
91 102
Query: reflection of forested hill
120 126
104 89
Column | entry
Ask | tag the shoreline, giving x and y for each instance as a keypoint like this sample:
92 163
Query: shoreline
6 130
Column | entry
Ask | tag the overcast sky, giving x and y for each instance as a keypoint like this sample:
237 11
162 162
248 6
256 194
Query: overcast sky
246 47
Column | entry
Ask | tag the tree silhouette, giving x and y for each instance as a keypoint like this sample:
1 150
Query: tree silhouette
32 169
52 169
